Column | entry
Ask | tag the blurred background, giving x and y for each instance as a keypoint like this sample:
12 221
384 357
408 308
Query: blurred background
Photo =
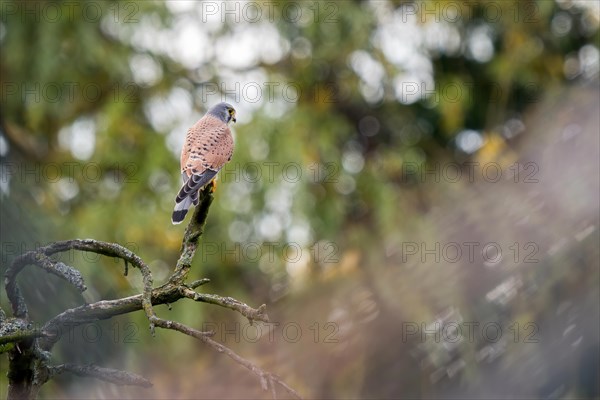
413 192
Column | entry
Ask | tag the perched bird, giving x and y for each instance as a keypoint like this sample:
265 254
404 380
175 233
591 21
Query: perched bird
208 146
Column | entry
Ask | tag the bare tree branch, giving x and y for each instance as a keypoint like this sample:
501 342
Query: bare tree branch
231 303
105 374
266 378
106 309
40 258
28 369
192 234
15 330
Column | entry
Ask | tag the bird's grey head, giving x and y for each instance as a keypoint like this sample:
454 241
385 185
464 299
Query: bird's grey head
224 111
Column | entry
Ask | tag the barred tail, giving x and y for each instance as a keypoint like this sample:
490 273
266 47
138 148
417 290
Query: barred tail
188 194
181 210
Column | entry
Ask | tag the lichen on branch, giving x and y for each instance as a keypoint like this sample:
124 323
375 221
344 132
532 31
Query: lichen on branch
29 348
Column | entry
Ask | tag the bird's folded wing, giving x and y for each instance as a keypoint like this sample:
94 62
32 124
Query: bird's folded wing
195 183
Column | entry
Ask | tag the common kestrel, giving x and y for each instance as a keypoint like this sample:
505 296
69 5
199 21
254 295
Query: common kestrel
208 146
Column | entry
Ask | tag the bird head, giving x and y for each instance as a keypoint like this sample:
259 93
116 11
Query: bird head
224 111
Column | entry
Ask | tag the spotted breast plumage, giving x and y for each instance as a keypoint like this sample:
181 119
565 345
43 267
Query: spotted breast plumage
208 147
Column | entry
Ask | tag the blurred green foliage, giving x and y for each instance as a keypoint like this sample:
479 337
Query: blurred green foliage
96 101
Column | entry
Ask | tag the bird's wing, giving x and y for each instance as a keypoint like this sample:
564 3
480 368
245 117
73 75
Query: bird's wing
195 183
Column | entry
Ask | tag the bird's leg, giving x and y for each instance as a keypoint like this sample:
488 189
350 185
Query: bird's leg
214 185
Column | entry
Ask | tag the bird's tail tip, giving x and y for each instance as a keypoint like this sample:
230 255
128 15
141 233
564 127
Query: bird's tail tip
178 216
181 209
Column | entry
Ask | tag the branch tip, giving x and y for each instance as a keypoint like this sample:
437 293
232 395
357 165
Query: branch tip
198 283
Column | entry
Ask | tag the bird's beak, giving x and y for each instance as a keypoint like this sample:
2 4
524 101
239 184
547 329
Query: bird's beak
233 119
